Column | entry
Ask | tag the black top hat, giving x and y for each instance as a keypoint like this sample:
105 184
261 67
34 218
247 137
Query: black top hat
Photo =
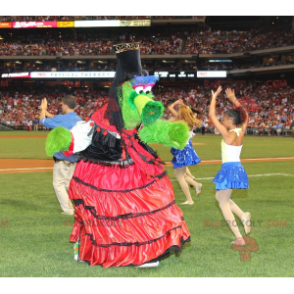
128 62
128 65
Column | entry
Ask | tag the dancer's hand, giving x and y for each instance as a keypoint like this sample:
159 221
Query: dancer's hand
231 95
179 102
43 104
215 94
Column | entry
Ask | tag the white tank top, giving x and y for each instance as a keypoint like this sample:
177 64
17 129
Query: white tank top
231 153
191 135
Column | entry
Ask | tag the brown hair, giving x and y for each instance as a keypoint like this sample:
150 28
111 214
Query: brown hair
195 110
70 101
186 114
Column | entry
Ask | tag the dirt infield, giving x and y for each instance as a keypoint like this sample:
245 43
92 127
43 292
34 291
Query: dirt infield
25 165
36 165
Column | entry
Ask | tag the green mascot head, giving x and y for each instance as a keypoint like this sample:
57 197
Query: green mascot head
131 98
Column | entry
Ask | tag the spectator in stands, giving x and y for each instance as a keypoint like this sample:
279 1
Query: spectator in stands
36 124
279 128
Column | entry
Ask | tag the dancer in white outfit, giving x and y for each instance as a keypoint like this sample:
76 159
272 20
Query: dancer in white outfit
232 174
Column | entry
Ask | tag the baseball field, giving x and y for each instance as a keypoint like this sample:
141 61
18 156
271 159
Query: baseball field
35 235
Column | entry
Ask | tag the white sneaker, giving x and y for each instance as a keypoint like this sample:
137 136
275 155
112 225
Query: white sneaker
148 264
67 213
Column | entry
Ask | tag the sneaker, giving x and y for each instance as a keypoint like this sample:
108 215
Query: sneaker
77 251
68 213
187 203
148 264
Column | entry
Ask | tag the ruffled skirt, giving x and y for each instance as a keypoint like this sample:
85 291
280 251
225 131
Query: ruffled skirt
123 217
184 157
231 176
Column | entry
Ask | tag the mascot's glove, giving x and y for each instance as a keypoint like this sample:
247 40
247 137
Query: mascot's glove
172 134
58 140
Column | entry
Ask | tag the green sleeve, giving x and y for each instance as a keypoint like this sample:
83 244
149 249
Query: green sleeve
172 134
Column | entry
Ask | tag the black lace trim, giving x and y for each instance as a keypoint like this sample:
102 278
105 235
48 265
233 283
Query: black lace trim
122 164
148 159
130 244
166 253
122 216
146 147
119 191
175 248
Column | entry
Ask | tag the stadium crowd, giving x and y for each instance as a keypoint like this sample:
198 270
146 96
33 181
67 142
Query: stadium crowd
92 17
270 110
185 42
207 42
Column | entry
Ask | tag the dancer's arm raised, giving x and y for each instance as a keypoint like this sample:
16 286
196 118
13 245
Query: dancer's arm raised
228 137
237 106
173 111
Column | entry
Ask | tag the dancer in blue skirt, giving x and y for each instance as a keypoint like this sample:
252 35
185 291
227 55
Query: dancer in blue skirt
232 174
187 156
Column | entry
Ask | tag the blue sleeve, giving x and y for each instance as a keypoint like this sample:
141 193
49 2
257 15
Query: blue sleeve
53 122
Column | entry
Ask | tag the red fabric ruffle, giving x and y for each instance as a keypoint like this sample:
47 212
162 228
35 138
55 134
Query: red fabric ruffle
122 227
125 215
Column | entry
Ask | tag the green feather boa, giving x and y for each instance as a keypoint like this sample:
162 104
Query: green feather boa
57 140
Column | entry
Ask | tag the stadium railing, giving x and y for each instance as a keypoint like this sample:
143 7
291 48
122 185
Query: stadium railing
269 131
256 131
5 127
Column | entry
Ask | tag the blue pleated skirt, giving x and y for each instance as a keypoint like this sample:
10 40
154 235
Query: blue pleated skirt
231 176
184 157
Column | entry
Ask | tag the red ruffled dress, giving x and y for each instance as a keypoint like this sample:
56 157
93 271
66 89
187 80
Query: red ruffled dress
125 211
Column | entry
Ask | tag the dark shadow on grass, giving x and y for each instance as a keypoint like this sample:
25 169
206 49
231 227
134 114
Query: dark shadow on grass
177 253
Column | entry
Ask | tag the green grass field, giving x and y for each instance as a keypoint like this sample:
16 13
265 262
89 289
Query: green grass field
34 240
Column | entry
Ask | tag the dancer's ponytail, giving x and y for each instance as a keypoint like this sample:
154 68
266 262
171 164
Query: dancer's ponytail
238 114
241 113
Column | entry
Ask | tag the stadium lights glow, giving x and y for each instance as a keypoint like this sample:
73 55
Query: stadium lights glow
182 74
212 74
217 60
112 23
16 75
72 74
162 74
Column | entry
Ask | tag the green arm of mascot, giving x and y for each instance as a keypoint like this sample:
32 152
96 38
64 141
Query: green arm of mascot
138 108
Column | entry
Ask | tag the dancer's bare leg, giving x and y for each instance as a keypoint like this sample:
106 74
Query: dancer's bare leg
188 173
179 174
223 197
236 209
191 181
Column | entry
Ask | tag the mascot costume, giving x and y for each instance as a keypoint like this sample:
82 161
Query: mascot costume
125 211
